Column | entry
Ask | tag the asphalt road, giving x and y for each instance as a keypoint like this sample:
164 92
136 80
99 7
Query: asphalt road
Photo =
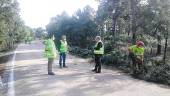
31 79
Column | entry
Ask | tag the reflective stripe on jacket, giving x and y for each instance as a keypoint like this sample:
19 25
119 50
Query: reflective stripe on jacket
50 49
101 50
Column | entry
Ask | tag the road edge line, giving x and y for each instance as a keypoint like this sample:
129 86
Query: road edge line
11 89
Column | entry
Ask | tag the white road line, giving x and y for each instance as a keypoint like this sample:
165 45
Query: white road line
1 84
11 89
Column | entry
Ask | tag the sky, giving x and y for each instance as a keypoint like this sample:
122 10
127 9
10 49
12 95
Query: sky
37 13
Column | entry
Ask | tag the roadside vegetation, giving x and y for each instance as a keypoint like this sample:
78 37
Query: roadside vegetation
12 28
121 23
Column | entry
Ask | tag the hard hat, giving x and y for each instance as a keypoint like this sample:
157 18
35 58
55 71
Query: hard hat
140 43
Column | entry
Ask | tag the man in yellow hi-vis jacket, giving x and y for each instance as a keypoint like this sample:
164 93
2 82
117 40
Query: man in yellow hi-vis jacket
50 53
136 53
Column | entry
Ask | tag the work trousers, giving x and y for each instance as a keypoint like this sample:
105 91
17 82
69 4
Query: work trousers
98 63
62 60
50 63
137 64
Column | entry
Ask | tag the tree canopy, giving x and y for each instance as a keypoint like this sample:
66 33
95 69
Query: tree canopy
79 28
12 28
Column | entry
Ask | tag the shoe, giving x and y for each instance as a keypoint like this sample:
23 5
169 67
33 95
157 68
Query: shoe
98 72
51 73
65 66
94 70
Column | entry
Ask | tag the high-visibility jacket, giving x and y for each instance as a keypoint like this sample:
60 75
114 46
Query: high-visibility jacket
63 46
100 51
50 49
138 51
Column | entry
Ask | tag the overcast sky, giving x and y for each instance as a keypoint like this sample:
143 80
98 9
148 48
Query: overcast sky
37 13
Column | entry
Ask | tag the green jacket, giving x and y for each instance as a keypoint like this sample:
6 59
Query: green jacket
63 47
50 49
137 50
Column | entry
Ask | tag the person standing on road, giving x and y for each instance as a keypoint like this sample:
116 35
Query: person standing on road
98 52
50 53
28 40
136 53
63 49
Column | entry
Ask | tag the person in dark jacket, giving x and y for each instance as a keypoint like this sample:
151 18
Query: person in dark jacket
98 52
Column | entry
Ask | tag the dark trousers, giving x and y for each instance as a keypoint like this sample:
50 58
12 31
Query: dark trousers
62 60
50 63
98 63
137 64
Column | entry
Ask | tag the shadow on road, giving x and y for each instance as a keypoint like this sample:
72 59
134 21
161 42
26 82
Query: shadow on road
3 62
28 56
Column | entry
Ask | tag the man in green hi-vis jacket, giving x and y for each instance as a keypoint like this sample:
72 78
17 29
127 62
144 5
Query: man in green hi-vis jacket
63 49
50 53
136 53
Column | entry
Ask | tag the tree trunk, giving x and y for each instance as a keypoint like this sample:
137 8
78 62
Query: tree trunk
114 26
158 49
129 28
165 50
114 20
133 19
159 45
134 37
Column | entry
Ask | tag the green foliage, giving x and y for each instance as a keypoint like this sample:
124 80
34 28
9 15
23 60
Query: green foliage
85 53
158 73
124 21
40 33
12 28
115 58
80 28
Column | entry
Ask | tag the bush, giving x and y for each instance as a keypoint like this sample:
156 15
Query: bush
115 58
108 47
158 73
155 70
85 53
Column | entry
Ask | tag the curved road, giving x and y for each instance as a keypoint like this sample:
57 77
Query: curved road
31 79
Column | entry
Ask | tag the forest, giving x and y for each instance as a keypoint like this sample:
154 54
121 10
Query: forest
120 23
12 27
